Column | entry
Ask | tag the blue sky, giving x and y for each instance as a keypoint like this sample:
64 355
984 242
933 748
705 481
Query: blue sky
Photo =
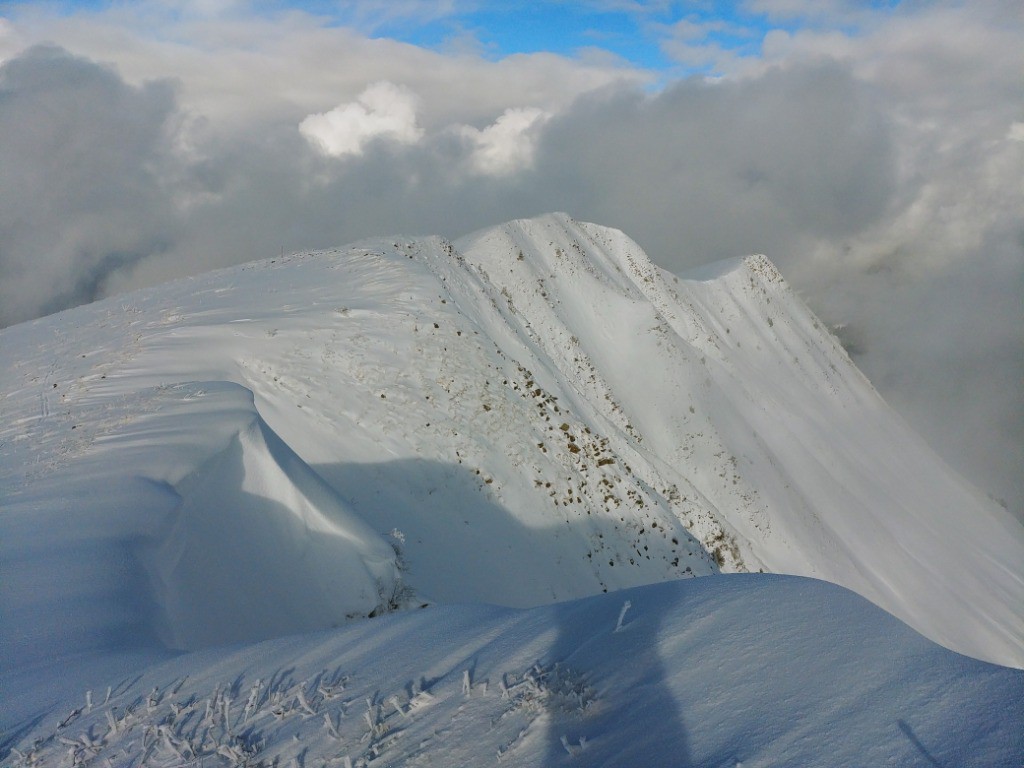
569 28
640 33
564 28
634 31
673 38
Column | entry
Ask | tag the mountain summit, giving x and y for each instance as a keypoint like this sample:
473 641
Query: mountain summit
530 414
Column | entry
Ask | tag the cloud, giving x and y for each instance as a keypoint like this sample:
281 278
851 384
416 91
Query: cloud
80 196
240 70
383 110
942 342
708 170
711 45
508 144
370 16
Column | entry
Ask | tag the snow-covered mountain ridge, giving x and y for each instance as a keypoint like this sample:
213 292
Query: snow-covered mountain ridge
530 414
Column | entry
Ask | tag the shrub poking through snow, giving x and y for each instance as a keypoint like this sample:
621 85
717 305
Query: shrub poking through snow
396 594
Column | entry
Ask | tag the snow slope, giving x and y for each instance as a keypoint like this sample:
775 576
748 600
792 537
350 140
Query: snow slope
532 414
740 670
733 391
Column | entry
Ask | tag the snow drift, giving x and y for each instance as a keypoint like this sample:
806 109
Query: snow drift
259 546
193 525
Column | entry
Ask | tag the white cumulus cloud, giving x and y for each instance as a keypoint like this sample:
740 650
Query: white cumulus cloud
508 144
383 110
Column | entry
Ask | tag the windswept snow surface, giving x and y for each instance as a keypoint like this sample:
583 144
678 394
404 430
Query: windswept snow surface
532 414
740 670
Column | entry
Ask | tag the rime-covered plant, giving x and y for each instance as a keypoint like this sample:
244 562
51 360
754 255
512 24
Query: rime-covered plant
622 615
397 594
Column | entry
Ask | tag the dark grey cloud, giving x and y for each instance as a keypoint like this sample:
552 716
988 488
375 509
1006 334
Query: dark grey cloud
80 194
707 171
699 172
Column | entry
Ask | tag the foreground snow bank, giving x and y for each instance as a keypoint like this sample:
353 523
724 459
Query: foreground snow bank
751 670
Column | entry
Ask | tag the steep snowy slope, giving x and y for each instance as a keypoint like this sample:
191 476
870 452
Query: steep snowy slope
738 670
734 394
533 414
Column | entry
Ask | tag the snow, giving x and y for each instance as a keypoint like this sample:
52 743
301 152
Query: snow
530 415
751 670
767 427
